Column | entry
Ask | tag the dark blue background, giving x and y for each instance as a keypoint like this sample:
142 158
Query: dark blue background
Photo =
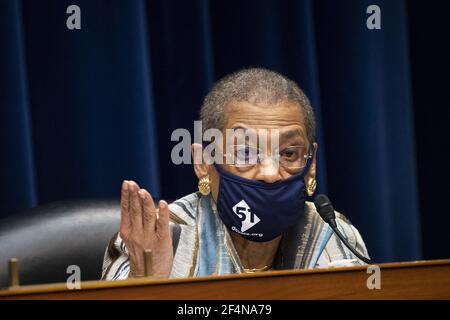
82 110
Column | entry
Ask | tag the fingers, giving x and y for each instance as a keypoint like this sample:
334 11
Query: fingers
135 206
139 213
125 221
162 224
148 211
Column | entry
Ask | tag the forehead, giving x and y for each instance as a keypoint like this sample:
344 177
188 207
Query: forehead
285 116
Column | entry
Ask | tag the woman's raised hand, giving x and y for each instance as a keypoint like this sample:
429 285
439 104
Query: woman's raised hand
144 226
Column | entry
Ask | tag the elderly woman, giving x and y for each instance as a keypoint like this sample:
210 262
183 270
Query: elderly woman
250 214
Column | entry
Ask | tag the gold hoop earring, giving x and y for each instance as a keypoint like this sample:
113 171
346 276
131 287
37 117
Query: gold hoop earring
204 186
311 187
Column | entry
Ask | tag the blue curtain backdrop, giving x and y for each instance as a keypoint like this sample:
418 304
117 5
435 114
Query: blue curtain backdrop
82 110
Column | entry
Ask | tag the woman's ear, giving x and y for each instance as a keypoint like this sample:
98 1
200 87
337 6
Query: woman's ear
200 167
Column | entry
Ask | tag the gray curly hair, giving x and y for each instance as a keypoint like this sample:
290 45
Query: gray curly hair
255 86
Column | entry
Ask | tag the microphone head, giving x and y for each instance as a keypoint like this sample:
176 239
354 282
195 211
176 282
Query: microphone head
324 207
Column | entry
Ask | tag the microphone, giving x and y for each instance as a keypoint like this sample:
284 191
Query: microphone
326 211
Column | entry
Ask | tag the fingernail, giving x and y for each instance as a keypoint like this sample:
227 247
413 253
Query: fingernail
125 185
142 194
162 204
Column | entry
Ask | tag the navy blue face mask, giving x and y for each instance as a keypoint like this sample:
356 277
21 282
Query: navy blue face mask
257 210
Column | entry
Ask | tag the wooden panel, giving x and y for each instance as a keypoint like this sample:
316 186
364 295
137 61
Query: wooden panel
411 280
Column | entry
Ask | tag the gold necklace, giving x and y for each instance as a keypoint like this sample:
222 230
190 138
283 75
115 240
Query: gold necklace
265 268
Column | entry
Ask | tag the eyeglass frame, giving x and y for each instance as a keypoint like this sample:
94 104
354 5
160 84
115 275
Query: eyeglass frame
306 157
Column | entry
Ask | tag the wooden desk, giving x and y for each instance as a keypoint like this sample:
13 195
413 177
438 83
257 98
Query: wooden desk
408 280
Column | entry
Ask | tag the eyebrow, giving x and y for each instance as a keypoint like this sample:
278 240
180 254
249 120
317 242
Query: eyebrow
292 134
239 127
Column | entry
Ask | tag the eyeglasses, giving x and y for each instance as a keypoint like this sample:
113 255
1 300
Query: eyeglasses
245 157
